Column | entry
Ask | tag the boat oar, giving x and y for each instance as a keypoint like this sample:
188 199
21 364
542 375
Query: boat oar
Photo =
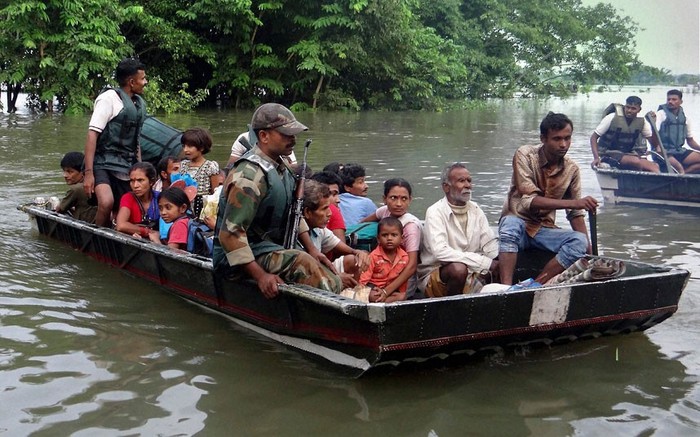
669 167
593 223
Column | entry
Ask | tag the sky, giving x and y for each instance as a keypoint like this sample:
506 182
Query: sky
670 31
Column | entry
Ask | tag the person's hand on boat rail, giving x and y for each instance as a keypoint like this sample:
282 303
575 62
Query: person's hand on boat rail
267 282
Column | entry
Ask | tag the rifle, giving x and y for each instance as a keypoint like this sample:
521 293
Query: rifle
290 234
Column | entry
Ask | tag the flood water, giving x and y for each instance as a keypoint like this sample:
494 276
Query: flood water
86 350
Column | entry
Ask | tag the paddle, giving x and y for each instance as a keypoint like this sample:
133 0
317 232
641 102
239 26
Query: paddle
669 167
593 223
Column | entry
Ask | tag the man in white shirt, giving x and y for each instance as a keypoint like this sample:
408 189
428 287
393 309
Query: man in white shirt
112 146
458 245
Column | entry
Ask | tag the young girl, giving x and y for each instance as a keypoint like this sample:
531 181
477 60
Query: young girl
397 199
173 204
196 143
138 209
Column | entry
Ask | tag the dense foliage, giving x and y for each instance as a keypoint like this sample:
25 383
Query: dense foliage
396 54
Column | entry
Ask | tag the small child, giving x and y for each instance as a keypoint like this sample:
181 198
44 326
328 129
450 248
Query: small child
196 143
173 204
387 262
167 166
320 240
76 202
354 203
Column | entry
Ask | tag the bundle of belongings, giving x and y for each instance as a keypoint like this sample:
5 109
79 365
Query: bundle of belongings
585 270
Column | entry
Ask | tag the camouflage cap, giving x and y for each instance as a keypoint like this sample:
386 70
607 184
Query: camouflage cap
278 117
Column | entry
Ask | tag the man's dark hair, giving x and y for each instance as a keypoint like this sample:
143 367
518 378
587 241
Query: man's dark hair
73 160
350 172
554 122
675 92
165 162
328 178
126 68
390 221
333 167
634 100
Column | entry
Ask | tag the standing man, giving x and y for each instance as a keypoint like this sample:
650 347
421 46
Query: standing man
112 147
544 180
618 138
458 243
253 211
674 129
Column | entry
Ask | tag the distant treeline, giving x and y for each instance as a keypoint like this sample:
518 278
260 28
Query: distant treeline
334 54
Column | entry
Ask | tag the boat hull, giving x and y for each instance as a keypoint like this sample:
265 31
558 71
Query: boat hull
366 336
624 186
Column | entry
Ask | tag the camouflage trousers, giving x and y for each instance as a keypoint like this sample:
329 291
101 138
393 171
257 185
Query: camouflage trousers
300 268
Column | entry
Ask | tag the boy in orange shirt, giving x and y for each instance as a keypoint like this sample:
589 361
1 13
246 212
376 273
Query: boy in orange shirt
387 262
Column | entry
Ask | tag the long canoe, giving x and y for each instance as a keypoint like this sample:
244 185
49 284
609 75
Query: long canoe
363 336
638 187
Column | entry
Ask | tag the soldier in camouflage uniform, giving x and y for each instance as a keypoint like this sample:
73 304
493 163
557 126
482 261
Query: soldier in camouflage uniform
254 207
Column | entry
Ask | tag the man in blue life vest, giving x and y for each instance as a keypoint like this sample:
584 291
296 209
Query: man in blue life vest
112 147
619 139
254 209
674 129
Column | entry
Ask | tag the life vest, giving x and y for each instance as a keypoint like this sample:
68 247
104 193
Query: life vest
622 135
266 233
673 130
117 145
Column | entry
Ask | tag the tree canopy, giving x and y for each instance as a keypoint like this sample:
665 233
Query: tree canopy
356 54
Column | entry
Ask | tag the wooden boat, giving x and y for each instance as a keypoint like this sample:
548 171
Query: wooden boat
626 186
368 336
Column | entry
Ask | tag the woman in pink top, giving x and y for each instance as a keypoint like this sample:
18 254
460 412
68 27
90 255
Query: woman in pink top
397 199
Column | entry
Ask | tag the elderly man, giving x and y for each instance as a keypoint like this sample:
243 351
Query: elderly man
458 246
254 207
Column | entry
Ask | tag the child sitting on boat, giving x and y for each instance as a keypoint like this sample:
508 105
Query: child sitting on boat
76 202
387 263
173 205
320 240
138 209
397 199
354 203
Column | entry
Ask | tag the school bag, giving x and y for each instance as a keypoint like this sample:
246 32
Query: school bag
200 238
158 140
362 236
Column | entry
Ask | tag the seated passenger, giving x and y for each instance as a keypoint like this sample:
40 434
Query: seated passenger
167 166
397 199
388 262
253 212
458 243
619 139
138 213
544 180
173 205
196 143
76 202
349 262
354 203
336 224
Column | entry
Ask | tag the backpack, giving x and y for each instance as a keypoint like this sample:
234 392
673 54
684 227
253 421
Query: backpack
158 140
362 236
200 238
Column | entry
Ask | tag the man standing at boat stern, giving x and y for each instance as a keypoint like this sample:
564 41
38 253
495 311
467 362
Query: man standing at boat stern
458 246
254 208
544 180
112 143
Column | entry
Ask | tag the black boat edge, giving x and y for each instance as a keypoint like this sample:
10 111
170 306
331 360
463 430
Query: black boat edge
364 336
